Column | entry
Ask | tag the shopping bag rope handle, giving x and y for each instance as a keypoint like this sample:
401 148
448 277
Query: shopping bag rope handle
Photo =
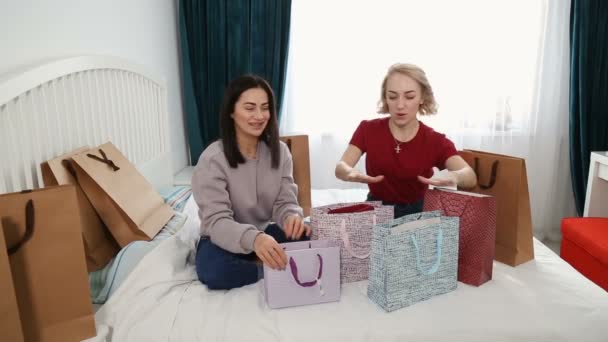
346 240
29 228
294 272
104 160
492 174
68 166
435 266
288 143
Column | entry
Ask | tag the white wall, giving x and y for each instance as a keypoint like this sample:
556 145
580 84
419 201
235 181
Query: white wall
142 31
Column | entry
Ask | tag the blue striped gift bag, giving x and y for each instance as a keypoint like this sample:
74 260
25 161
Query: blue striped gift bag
413 259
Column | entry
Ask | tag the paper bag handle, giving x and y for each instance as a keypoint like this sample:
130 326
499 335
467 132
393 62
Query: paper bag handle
435 266
492 174
68 166
288 143
104 159
29 228
346 240
294 272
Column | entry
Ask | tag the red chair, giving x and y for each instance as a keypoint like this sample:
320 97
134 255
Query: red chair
585 247
585 239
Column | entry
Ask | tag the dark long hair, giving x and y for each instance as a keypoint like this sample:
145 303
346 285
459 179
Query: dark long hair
270 135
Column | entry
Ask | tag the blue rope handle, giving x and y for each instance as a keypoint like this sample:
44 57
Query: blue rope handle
435 266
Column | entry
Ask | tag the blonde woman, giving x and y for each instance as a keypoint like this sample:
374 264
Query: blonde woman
401 150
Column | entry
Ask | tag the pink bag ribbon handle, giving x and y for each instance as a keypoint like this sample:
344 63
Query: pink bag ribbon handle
294 272
346 240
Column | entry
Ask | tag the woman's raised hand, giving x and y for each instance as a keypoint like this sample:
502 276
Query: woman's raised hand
356 176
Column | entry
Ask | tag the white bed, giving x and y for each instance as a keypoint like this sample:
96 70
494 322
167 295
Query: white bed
542 300
42 114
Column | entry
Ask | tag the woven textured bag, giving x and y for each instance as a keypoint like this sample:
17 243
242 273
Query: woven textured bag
413 259
353 231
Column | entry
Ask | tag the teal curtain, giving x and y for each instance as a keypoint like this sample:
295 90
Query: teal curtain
221 40
588 89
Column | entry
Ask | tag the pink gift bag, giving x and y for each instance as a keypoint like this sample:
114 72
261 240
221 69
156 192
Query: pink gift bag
350 225
312 275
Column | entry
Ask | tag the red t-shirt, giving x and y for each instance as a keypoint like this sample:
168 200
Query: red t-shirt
416 158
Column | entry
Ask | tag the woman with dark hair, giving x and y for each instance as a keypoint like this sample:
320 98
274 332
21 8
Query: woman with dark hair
242 184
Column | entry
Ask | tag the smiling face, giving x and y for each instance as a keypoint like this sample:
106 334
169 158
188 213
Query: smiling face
403 98
251 113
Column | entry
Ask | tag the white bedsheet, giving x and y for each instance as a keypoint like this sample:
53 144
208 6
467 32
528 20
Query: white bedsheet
162 300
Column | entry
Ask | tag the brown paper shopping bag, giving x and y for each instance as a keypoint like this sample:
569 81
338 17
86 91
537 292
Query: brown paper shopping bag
298 145
505 178
126 202
10 323
42 227
99 245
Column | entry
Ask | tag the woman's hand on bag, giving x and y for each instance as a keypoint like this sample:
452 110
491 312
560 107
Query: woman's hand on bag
269 251
356 176
295 227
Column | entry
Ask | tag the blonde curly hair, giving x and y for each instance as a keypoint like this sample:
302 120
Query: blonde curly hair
428 106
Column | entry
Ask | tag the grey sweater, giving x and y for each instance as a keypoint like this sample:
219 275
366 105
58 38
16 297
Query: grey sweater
235 205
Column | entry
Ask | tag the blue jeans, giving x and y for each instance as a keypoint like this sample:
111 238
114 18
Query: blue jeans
401 209
222 270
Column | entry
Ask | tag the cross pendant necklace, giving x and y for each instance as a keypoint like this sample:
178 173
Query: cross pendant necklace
398 145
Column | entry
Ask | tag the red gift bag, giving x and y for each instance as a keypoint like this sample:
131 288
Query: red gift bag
477 214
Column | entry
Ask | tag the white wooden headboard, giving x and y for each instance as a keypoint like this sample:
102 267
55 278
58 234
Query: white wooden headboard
57 107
